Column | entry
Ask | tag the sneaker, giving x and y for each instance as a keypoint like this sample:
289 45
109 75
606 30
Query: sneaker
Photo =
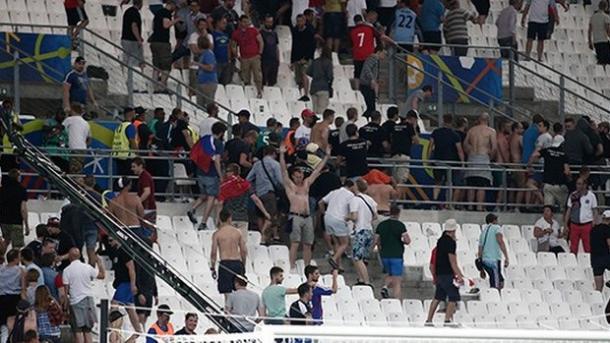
385 293
429 324
304 98
452 325
333 263
360 283
202 227
191 216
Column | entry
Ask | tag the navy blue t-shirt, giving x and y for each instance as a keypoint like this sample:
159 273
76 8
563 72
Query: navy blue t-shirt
220 147
221 46
79 84
445 140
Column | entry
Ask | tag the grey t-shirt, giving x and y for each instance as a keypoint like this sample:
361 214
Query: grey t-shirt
246 303
599 22
419 94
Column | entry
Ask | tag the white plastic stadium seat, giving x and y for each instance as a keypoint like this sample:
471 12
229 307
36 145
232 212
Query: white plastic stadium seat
490 294
413 306
511 231
362 292
541 309
477 308
391 306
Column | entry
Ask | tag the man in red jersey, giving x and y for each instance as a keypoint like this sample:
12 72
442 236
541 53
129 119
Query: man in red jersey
364 39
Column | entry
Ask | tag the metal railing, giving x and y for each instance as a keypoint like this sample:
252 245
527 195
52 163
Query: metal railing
503 173
514 63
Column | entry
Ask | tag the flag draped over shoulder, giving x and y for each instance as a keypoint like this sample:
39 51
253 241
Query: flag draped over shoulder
203 151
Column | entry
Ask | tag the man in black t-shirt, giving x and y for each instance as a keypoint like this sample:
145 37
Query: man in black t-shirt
600 249
388 126
300 310
131 36
445 145
124 280
555 175
63 242
13 210
239 150
160 46
374 134
333 136
447 270
36 245
402 137
147 290
353 151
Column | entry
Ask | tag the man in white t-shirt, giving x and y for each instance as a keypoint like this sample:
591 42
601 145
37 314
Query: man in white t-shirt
335 206
363 210
205 126
302 136
547 232
79 136
538 23
201 29
580 215
77 278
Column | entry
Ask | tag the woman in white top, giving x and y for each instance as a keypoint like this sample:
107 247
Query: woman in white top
547 232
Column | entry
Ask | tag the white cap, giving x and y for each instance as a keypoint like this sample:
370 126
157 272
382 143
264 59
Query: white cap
450 225
606 214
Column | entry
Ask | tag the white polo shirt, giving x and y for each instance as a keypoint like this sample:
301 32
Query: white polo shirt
552 238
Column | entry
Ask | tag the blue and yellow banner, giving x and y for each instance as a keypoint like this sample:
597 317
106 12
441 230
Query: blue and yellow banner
43 57
465 77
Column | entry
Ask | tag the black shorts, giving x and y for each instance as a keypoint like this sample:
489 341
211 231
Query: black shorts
482 6
227 271
8 304
76 15
445 289
334 25
537 31
440 175
602 51
599 264
477 181
143 308
358 68
435 37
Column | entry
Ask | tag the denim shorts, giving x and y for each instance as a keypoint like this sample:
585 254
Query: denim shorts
123 294
208 185
393 266
361 243
90 235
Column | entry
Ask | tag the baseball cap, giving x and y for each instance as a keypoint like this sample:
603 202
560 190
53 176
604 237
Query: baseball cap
80 59
450 225
606 214
307 113
53 222
164 309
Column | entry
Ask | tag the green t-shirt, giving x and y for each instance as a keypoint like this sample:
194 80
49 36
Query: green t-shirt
390 238
274 300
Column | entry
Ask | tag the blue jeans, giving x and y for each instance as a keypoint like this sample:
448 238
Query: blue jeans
494 270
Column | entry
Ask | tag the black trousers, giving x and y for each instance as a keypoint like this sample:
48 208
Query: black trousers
369 99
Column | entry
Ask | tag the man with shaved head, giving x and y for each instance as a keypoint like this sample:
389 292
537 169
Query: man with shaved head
480 144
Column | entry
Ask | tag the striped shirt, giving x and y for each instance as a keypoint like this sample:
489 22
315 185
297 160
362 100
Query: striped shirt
455 24
370 70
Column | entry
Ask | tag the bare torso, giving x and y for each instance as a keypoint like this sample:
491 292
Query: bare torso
503 155
319 135
382 194
479 140
516 148
299 198
228 240
126 208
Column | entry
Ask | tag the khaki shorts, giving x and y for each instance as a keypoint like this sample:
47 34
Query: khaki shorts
14 232
302 230
161 55
300 67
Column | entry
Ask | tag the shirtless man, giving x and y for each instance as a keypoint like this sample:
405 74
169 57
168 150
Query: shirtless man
227 242
480 144
297 190
516 150
320 131
128 208
502 156
383 195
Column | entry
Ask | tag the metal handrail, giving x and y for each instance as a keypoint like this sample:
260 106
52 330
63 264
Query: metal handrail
135 70
440 80
23 54
517 52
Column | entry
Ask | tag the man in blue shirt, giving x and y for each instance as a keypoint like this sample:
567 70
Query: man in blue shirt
76 85
529 138
224 64
403 29
430 19
312 273
491 248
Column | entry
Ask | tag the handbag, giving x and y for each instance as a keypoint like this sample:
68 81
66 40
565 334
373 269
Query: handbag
283 204
478 262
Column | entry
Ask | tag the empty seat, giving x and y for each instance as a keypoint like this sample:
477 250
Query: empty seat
515 272
518 309
477 308
575 273
572 296
580 309
377 319
413 306
567 259
490 295
497 307
520 284
431 229
369 306
552 296
362 292
547 259
510 295
397 319
526 259
555 273
531 295
543 284
519 245
506 321
540 309
535 272
561 309
511 231
391 306
592 297
526 322
547 322
563 284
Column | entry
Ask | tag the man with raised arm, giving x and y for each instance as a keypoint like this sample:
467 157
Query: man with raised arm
480 145
227 242
297 190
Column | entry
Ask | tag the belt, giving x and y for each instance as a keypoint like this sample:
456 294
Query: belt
299 215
